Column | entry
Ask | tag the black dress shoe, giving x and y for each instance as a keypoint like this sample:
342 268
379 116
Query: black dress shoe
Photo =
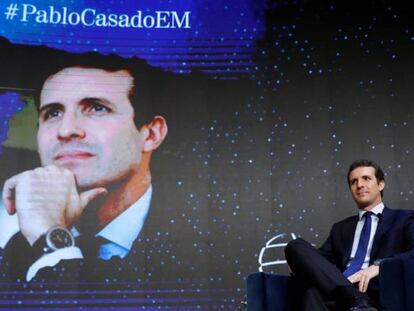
362 304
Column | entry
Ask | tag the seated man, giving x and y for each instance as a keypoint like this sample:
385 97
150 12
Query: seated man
343 273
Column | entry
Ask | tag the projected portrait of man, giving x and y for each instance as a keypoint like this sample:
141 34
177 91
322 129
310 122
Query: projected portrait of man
88 202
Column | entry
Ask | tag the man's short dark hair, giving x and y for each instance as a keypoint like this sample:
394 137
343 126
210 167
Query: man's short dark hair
379 174
139 94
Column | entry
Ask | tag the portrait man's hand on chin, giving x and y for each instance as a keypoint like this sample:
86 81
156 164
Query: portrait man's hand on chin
46 197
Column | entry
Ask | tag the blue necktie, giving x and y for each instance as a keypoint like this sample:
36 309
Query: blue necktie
361 252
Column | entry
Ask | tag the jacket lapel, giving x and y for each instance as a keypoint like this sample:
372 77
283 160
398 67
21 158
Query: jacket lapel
348 238
384 225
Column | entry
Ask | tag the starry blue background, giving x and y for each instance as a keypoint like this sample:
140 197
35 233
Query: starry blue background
303 89
220 40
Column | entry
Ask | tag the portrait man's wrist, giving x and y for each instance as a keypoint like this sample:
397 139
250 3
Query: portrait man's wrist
94 182
344 271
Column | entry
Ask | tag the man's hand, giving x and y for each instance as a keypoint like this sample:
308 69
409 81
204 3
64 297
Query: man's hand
45 197
364 276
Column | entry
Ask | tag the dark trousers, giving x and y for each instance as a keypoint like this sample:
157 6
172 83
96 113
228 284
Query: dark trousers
320 283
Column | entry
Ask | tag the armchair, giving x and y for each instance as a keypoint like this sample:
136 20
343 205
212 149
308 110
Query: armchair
269 292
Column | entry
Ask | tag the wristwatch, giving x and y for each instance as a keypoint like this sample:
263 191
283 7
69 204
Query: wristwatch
55 238
59 237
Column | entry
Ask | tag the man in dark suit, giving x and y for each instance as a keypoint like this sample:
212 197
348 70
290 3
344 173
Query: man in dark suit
95 143
343 273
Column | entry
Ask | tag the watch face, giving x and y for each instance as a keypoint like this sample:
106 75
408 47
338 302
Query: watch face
58 238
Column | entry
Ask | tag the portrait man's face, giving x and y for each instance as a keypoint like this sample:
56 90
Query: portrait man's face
86 125
364 186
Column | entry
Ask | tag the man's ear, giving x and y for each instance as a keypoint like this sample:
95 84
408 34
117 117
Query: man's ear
381 185
154 133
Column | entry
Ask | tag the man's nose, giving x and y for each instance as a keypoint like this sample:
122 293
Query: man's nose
70 127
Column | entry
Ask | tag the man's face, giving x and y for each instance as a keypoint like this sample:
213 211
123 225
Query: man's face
86 125
365 188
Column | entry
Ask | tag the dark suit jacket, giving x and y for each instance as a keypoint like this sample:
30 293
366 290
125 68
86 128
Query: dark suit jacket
394 238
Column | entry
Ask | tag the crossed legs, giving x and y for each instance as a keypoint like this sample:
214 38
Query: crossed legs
321 284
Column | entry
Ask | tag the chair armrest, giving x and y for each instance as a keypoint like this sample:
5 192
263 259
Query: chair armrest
392 285
409 283
397 284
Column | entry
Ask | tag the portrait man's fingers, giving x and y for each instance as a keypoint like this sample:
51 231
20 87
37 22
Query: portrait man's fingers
88 196
8 194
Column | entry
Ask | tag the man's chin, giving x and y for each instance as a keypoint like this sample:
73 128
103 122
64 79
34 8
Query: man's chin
362 204
86 182
89 183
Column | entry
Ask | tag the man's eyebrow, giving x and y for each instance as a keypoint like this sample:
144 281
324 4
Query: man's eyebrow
100 100
49 106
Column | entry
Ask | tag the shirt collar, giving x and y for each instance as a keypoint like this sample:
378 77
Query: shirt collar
125 228
376 210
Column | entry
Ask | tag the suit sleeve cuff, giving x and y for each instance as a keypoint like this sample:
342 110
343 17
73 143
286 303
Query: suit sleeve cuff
52 259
